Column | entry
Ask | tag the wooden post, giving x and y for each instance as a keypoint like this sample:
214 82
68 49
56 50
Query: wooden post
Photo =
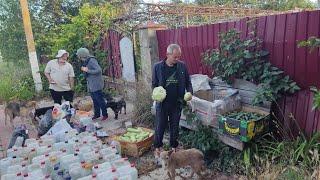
31 47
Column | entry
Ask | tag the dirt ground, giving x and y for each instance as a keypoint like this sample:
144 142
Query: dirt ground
145 164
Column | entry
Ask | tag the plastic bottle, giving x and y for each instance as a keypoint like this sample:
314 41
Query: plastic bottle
90 177
111 174
108 151
111 157
80 171
47 140
121 163
128 171
39 159
11 177
67 160
4 164
16 160
32 154
15 151
101 167
63 146
57 174
32 167
117 145
91 157
30 141
44 150
19 141
14 169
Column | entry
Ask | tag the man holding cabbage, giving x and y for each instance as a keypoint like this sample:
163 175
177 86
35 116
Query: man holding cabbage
171 86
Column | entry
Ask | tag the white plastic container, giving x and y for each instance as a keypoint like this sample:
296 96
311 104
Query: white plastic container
83 150
37 174
111 157
90 177
83 170
108 151
100 168
66 161
30 141
47 140
44 150
15 151
108 175
128 171
39 159
16 160
60 146
11 177
91 157
32 153
4 164
14 169
121 163
19 141
32 167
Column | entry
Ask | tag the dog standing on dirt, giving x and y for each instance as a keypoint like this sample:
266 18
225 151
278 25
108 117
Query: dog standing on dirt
174 160
23 110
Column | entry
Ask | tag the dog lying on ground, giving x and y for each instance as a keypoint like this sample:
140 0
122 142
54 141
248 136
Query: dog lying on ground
24 110
174 160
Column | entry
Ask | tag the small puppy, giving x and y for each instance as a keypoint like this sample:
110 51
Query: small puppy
174 160
23 109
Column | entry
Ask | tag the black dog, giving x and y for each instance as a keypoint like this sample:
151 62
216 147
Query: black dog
116 104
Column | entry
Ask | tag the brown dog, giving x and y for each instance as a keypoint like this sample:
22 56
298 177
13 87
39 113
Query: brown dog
174 160
23 110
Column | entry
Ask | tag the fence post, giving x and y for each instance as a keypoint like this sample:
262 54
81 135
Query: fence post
148 50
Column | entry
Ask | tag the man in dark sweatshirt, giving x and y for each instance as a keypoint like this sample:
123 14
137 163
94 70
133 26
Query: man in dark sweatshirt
173 76
95 84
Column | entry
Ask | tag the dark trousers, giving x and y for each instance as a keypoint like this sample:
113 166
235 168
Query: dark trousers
57 96
99 104
167 114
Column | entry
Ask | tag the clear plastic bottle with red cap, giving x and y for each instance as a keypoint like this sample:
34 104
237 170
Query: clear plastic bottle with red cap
108 151
121 163
17 176
99 168
91 157
14 169
4 164
93 176
44 150
47 140
125 171
67 160
111 174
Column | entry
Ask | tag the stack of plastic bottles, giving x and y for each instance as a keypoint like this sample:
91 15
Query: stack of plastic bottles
80 156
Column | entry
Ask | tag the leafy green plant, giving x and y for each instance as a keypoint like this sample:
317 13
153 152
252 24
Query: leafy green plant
312 43
244 59
316 98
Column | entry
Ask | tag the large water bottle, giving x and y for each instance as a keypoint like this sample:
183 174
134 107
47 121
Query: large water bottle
117 145
16 160
60 146
67 160
108 175
83 150
111 157
57 174
19 141
99 168
4 164
44 150
91 157
128 171
80 171
15 151
47 140
14 169
108 151
32 167
39 159
90 177
31 142
121 163
11 177
32 153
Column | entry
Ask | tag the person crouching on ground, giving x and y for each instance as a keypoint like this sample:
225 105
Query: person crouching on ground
95 84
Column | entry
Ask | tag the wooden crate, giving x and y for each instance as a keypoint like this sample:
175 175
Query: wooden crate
138 148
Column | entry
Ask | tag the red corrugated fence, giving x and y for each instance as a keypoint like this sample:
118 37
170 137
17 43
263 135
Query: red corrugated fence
280 34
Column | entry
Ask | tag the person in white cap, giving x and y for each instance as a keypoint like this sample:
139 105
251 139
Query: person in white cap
60 75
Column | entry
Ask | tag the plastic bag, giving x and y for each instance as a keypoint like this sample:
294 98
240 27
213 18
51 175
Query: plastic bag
200 82
45 123
59 129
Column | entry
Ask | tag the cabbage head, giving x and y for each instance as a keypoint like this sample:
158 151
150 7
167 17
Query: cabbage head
159 94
